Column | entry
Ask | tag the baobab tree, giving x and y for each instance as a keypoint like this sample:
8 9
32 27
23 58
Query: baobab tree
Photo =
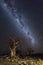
13 45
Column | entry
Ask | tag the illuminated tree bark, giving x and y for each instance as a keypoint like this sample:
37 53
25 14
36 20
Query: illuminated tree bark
13 45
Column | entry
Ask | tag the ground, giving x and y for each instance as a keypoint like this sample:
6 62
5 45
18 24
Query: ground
19 61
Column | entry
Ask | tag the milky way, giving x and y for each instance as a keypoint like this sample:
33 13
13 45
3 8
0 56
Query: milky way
20 21
26 22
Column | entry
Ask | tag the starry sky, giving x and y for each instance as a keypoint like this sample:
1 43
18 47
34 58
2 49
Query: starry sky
22 19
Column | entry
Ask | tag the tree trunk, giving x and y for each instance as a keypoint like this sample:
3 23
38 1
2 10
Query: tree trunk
13 52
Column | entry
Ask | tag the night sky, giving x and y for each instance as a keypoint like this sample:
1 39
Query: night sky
22 19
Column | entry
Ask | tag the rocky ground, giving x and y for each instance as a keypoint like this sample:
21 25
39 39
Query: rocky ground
19 61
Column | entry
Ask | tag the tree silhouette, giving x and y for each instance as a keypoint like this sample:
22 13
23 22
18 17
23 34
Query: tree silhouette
13 45
30 51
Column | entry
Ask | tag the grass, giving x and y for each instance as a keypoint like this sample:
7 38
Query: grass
19 61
